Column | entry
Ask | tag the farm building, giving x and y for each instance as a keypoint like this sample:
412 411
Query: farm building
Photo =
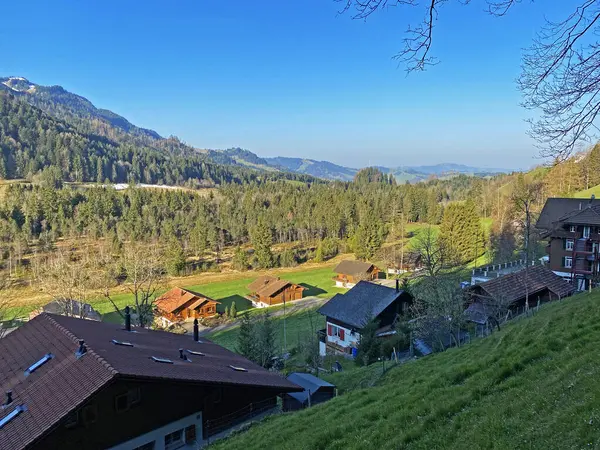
315 391
351 272
72 308
180 304
346 314
268 291
509 292
80 384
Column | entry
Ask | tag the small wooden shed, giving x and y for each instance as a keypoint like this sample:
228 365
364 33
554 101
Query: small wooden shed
315 391
268 291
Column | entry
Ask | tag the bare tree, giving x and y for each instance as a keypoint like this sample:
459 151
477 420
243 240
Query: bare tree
140 270
434 254
66 276
526 195
560 74
8 310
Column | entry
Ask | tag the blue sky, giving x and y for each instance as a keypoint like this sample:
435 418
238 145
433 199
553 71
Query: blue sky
289 78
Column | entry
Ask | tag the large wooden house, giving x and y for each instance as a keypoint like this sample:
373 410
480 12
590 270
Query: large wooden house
347 314
71 384
351 272
179 304
267 291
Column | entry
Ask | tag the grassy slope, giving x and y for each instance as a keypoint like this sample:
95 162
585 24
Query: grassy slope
589 192
532 385
299 325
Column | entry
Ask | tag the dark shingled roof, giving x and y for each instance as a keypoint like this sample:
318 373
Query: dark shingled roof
348 267
586 216
74 307
555 208
365 300
65 382
511 287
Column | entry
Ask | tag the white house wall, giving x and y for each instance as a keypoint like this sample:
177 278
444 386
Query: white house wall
349 339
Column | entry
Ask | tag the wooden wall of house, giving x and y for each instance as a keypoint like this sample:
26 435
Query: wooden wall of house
160 403
290 294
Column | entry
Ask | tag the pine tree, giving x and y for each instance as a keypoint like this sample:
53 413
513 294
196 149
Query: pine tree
240 259
247 343
227 313
265 339
233 310
262 239
369 346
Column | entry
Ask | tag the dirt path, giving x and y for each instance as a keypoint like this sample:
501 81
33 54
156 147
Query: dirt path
306 303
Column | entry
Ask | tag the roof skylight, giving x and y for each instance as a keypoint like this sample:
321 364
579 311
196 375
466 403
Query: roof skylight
47 357
238 369
122 343
192 352
14 413
162 360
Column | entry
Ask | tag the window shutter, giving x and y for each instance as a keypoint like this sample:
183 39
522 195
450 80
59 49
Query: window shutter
564 261
342 334
564 244
329 332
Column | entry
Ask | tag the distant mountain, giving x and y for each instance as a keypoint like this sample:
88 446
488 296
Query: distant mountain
412 174
320 169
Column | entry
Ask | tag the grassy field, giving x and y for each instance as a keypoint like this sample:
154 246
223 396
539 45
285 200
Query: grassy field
318 282
589 192
532 385
298 326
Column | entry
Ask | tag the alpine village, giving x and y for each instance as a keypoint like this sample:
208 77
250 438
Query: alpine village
156 295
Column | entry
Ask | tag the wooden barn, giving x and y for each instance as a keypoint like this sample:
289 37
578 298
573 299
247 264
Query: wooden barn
268 291
351 272
180 304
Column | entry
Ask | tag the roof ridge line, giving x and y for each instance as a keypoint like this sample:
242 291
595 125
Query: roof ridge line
69 334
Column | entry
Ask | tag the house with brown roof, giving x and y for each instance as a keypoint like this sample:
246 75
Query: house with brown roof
351 272
70 383
539 283
180 304
572 228
268 291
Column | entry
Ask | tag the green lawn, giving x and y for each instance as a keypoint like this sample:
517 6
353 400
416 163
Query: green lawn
589 192
318 282
298 327
532 385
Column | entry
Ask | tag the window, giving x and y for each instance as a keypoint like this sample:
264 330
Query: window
174 440
124 402
569 244
148 446
568 262
334 331
190 434
89 414
572 228
586 232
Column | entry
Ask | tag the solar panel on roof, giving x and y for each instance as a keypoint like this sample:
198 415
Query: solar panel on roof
14 413
162 360
47 357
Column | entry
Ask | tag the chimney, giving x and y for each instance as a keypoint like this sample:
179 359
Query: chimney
9 398
82 348
182 355
196 337
397 285
127 319
592 198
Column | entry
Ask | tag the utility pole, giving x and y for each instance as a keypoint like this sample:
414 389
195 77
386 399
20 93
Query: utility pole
284 328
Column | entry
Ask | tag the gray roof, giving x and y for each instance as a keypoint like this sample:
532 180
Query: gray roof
365 300
73 308
586 216
555 208
308 382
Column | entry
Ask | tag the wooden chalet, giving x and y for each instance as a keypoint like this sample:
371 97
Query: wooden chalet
268 291
74 384
180 304
509 292
351 272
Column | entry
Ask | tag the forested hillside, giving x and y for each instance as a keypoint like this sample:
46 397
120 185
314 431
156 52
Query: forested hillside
31 141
